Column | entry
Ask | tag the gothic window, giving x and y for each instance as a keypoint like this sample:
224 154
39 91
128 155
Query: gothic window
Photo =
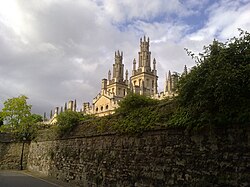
107 107
124 92
96 109
152 84
101 108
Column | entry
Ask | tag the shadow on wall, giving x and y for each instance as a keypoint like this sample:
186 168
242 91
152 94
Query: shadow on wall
10 153
165 157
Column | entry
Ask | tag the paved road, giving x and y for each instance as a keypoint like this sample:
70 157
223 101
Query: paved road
21 179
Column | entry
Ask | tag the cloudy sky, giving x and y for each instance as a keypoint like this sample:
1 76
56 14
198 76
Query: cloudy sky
54 51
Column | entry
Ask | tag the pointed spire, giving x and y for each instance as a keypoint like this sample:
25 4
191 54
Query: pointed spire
169 75
56 110
109 75
144 38
126 75
154 61
154 64
65 107
134 64
51 114
44 116
185 70
148 39
61 109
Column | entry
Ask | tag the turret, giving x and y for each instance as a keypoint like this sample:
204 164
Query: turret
185 71
118 67
70 105
169 82
85 107
144 56
44 116
65 106
118 57
109 75
104 85
56 111
134 67
126 77
74 109
154 67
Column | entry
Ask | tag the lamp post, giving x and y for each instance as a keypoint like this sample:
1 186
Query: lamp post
21 161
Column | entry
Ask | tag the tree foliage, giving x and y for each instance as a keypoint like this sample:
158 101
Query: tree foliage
18 119
67 120
217 89
134 101
16 110
36 118
1 119
138 113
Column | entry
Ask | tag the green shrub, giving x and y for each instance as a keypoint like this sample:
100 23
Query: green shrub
134 101
138 113
67 120
217 90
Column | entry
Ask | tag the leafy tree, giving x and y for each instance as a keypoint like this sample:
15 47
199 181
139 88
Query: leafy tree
15 111
217 89
18 119
67 120
137 113
134 101
36 118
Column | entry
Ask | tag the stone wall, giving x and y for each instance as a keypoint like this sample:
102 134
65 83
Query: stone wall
165 157
10 153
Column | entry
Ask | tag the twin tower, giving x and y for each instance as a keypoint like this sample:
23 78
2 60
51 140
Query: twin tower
143 81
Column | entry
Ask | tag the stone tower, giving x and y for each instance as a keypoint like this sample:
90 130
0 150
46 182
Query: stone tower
117 85
144 79
171 83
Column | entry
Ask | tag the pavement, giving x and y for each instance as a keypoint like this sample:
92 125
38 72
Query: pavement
10 178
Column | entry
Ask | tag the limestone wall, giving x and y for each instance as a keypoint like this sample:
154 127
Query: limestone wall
10 153
166 157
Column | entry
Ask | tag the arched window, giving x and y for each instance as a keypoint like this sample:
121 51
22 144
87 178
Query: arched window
96 109
101 108
107 107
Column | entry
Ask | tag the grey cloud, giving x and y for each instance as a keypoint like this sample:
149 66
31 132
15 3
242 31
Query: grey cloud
67 47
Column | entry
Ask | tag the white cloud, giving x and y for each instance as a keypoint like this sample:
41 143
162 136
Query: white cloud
56 50
224 19
129 10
